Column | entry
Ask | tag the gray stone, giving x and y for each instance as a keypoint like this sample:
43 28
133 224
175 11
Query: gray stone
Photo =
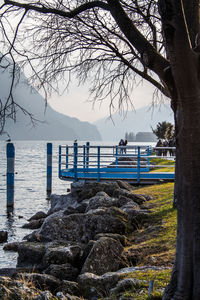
105 256
101 199
62 254
139 199
82 227
64 271
30 254
3 236
38 215
126 284
61 202
125 185
69 287
121 238
34 224
11 246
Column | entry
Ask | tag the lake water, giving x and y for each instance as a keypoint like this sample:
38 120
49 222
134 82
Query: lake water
30 188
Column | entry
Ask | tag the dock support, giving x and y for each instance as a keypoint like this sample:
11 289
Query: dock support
10 153
138 166
151 286
49 168
98 162
87 154
75 161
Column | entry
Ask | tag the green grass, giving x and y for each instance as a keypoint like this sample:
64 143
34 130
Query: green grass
162 162
154 248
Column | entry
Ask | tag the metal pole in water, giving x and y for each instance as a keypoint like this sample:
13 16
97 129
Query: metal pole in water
138 165
87 154
49 168
10 154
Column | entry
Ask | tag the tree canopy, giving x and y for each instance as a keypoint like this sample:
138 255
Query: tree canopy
111 43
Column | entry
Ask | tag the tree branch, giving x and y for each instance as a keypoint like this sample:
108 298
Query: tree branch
47 10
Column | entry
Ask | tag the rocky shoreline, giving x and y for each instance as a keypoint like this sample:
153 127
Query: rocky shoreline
78 249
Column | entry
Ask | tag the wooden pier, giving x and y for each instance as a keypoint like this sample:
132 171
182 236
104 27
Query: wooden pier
135 164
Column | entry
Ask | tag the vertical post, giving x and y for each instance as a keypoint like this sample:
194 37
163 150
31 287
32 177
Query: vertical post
10 153
59 161
148 152
75 160
67 156
138 165
84 157
49 168
87 154
151 284
116 161
98 162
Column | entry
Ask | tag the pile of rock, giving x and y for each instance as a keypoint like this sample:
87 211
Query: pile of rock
78 246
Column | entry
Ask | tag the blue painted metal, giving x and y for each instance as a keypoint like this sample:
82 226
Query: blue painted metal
95 162
138 165
59 162
10 153
49 167
75 161
67 156
87 154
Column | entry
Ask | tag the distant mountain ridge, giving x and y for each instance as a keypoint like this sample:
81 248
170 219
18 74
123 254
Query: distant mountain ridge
141 120
53 125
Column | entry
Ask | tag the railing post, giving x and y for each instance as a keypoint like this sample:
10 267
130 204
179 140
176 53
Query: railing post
59 161
75 160
148 152
138 166
84 157
67 157
87 154
116 161
10 153
98 162
49 168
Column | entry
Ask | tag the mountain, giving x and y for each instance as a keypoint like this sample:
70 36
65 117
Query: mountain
140 120
52 125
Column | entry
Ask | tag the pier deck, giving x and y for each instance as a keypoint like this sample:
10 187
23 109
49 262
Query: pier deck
135 164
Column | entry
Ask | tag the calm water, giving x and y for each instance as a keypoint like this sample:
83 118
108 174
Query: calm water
30 189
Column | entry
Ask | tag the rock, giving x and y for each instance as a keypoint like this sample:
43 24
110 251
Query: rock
137 217
126 284
101 199
34 224
69 287
121 238
38 215
63 254
46 295
64 271
92 285
11 246
105 256
3 236
41 281
15 290
82 227
125 185
89 190
139 199
61 202
30 254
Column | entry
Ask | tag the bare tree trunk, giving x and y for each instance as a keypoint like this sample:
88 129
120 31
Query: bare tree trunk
185 281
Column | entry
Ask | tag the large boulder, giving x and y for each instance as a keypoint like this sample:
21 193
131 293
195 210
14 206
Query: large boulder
34 224
38 215
64 271
61 202
139 199
121 238
62 254
104 257
82 227
30 254
101 199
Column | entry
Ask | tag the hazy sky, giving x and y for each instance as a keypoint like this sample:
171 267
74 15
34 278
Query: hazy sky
74 103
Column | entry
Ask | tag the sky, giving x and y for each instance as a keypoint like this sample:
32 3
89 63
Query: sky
75 103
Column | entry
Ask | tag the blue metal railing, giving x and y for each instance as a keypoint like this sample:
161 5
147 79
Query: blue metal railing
110 162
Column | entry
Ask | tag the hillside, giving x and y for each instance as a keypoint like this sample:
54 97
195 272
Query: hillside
140 120
51 126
